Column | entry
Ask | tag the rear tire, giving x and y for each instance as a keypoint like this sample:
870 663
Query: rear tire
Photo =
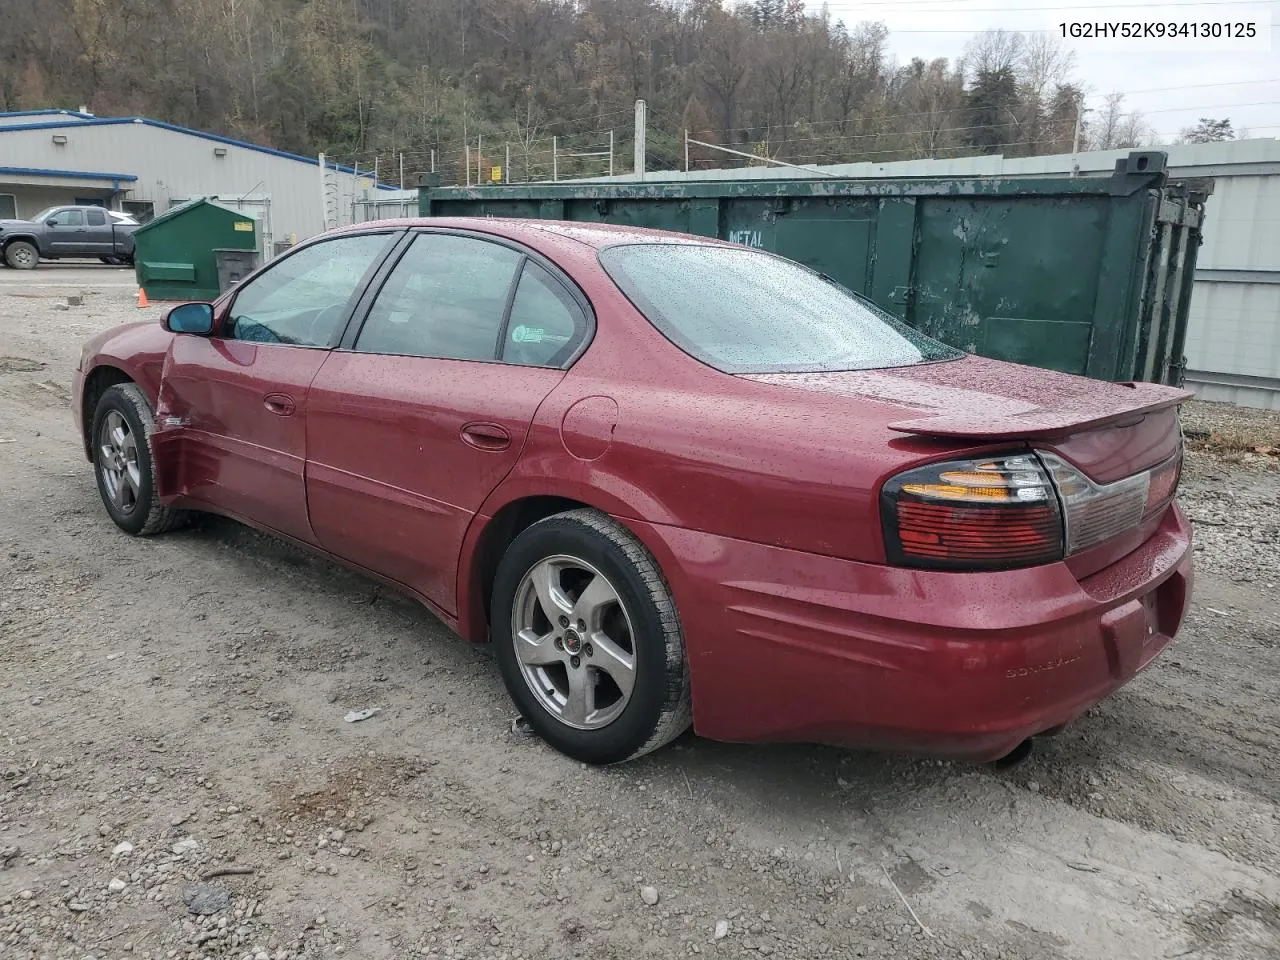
21 255
603 678
121 443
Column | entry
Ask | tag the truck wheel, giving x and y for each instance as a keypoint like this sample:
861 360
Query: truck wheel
122 428
109 261
588 640
21 255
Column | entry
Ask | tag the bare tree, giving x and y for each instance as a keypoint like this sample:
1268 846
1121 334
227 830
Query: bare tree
728 57
1116 128
934 96
1043 63
994 50
527 131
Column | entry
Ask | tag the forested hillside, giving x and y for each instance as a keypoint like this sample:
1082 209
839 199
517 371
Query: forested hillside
359 78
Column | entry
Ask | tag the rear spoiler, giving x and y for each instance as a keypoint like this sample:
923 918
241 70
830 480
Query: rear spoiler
1039 423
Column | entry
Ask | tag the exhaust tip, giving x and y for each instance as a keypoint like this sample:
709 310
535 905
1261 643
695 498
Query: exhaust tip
1014 756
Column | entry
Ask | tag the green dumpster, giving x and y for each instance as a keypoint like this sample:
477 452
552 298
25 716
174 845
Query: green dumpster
176 255
1088 275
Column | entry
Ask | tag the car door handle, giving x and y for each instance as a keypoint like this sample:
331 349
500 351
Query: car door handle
486 436
279 404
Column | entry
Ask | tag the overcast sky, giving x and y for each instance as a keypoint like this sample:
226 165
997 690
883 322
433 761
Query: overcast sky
1243 85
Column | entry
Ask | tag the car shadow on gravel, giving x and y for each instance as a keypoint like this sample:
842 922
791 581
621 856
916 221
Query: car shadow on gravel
1137 727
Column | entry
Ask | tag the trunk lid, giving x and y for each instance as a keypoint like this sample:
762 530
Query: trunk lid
1108 430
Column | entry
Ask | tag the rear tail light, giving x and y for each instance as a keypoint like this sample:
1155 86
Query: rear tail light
1164 485
989 514
996 513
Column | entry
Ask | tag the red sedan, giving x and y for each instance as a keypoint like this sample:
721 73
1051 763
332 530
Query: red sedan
673 480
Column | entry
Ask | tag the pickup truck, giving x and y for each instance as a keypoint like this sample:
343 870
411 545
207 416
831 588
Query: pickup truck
72 231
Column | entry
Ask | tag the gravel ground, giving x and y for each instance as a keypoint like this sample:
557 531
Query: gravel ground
177 781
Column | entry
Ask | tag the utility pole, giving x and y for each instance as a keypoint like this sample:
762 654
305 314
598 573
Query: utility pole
479 155
639 144
1075 138
611 153
355 187
506 166
401 171
324 193
466 161
686 151
433 159
555 159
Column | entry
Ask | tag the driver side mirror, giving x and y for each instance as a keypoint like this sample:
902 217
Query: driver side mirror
51 223
194 318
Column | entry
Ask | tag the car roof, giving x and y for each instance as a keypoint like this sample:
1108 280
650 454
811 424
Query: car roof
598 235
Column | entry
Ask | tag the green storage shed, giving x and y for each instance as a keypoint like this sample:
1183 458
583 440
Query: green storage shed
176 254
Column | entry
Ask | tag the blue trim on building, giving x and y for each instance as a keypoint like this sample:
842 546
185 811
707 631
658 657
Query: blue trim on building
115 178
173 127
48 113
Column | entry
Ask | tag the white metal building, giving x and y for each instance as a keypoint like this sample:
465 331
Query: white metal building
146 167
1233 332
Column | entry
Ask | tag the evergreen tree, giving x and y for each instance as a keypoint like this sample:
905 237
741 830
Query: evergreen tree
991 109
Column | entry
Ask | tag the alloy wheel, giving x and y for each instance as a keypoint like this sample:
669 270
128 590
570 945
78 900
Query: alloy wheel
118 462
574 642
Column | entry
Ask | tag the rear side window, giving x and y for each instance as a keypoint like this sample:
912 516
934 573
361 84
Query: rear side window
743 311
452 298
446 298
96 218
546 324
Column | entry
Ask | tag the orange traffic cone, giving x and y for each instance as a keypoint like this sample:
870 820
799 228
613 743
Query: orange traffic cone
143 302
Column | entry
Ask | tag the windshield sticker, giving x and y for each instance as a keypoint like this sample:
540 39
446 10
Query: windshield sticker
523 334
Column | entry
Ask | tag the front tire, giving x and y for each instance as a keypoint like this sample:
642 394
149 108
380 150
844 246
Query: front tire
588 640
21 255
122 427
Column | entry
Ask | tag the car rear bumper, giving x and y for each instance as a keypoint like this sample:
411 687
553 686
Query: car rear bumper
797 647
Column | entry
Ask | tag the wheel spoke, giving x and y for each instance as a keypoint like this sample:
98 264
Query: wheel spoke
113 426
118 438
546 581
133 477
118 488
593 601
581 702
613 660
537 651
569 680
105 453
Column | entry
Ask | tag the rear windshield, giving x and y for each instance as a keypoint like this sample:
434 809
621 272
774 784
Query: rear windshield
744 311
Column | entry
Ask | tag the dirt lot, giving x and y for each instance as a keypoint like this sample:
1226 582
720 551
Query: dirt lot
174 706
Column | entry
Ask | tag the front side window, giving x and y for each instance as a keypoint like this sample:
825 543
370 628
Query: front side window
446 298
744 311
67 218
305 297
